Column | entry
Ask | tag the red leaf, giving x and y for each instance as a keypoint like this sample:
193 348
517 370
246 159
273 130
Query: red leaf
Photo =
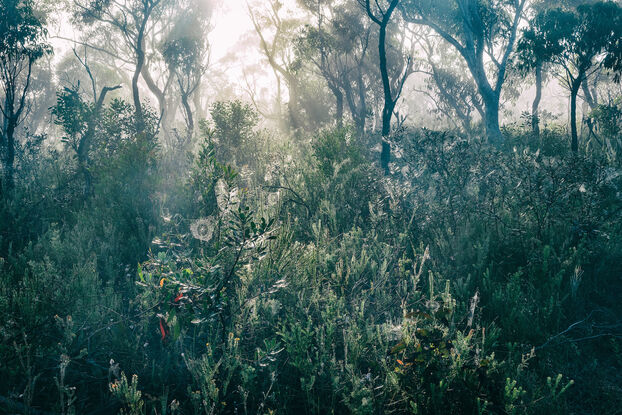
162 330
179 296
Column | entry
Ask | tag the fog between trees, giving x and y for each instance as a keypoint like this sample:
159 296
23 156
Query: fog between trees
353 206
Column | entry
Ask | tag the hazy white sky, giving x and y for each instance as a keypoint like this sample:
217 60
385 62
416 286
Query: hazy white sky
230 21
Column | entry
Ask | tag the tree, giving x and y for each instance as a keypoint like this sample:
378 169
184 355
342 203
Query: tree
391 85
234 124
132 20
22 43
279 54
530 60
185 53
79 120
577 43
337 45
448 85
476 29
318 45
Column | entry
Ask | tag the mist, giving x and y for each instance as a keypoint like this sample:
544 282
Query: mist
310 206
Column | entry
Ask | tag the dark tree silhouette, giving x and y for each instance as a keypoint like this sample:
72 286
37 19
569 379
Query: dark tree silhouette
391 90
22 43
577 43
476 29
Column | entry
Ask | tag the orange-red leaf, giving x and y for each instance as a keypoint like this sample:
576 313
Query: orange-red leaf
162 330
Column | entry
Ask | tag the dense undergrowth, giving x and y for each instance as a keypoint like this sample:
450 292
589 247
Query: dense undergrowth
256 277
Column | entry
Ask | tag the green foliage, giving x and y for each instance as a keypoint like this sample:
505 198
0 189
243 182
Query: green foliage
129 395
22 33
204 176
464 284
575 37
605 138
72 113
339 187
234 126
22 44
252 272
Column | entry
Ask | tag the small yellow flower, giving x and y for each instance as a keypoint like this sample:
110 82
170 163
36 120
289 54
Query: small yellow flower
162 282
237 339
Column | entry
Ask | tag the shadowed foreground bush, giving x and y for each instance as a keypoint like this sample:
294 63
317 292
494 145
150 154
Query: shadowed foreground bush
472 281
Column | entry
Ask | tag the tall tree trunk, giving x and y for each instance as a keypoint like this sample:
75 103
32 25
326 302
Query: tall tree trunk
9 125
490 96
491 118
574 91
338 103
85 142
390 97
198 108
140 63
138 110
153 87
9 164
387 111
339 108
358 112
3 141
535 106
590 95
385 154
362 115
591 100
293 105
188 113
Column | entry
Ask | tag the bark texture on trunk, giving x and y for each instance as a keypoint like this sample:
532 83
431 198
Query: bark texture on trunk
390 97
535 106
339 108
138 110
338 103
574 136
9 163
491 116
188 114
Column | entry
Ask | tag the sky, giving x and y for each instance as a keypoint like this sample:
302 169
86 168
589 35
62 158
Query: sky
231 22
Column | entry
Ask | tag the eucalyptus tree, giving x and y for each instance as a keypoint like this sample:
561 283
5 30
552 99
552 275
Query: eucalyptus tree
530 59
131 21
338 45
22 43
79 120
483 33
577 43
276 34
318 45
362 78
186 54
392 84
448 84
